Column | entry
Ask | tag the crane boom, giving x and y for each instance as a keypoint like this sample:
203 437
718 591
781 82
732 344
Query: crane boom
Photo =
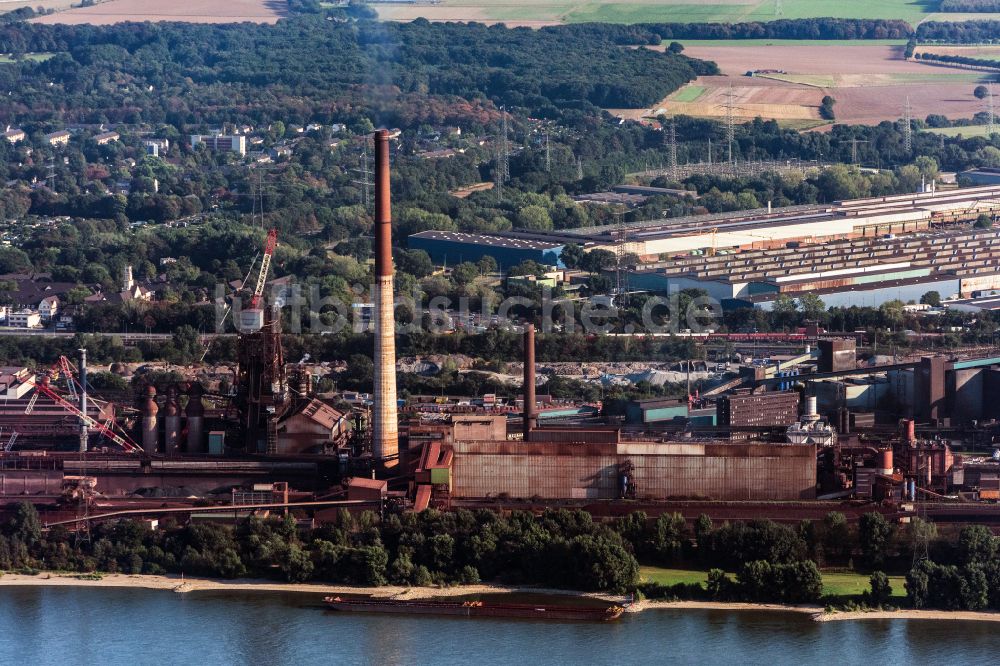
67 371
265 266
90 421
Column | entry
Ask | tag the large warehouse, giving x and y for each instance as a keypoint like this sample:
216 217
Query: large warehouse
727 232
953 262
453 247
599 470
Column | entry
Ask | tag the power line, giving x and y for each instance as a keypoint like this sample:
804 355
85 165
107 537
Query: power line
548 155
621 274
365 179
990 111
672 150
907 126
503 156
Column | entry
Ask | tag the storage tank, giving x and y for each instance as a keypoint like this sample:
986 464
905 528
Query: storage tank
195 413
149 409
172 422
885 462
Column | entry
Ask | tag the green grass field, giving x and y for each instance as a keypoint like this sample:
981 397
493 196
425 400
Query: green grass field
37 57
968 132
692 11
835 583
689 94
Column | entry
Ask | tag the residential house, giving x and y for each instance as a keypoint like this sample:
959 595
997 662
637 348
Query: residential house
65 321
30 291
221 143
48 308
156 146
105 138
24 319
60 138
14 135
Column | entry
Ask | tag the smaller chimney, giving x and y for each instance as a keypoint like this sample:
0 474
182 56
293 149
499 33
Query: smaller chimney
530 416
809 414
148 408
885 462
84 429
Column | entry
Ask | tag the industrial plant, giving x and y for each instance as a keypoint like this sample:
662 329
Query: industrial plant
802 426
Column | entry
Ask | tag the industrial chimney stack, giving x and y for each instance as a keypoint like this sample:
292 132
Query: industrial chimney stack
530 417
84 428
385 424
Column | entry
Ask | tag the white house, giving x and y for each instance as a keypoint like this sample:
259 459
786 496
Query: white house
48 308
24 319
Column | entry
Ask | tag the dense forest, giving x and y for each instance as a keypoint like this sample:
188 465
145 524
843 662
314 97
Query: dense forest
180 73
960 32
811 28
970 6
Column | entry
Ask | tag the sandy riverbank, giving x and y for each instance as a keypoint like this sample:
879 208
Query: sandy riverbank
188 585
819 614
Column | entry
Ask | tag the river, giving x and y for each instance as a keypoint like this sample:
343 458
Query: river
111 626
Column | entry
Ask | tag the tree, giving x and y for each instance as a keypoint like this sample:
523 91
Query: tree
296 565
812 305
976 545
487 264
881 590
918 584
874 535
984 221
703 534
981 92
600 563
836 535
26 526
931 298
465 272
826 108
892 312
669 536
571 255
535 218
415 262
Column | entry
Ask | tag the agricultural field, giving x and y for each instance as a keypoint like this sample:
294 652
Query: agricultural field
548 12
190 11
9 5
869 80
969 131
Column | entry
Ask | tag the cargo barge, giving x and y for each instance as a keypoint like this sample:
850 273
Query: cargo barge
478 609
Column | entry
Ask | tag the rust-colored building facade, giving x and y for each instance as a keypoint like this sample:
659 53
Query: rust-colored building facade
564 470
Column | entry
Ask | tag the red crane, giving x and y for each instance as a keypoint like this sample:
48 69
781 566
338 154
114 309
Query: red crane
265 266
43 387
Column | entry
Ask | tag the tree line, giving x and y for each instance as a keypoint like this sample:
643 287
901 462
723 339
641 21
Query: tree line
981 63
807 28
959 32
969 6
560 548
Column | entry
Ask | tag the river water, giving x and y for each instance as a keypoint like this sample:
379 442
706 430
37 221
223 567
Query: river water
109 626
